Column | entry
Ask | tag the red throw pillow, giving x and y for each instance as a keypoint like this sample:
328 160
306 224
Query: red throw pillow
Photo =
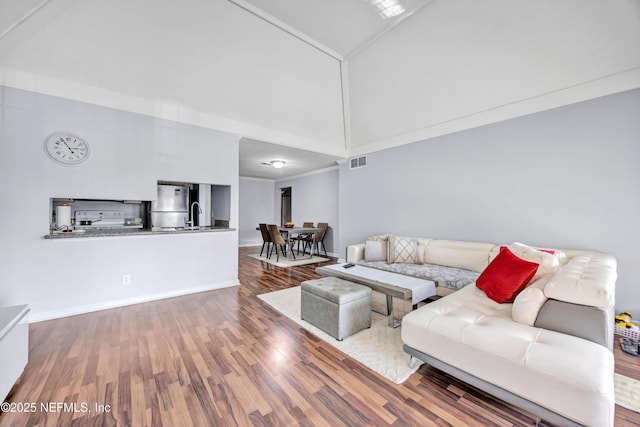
506 276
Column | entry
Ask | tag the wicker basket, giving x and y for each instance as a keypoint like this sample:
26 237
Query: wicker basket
633 333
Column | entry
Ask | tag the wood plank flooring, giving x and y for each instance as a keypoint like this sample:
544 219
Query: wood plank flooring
224 358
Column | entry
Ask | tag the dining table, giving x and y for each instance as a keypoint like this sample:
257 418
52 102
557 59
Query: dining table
293 231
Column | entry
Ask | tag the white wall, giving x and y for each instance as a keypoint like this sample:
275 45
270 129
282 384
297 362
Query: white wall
314 198
208 63
454 65
564 178
130 154
257 205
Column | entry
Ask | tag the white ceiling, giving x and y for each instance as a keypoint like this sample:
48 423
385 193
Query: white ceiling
341 26
254 154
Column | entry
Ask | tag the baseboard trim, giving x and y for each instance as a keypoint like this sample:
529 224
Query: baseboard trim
72 311
259 245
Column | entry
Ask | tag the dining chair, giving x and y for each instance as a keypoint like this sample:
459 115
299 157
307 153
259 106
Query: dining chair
278 240
266 238
302 237
317 239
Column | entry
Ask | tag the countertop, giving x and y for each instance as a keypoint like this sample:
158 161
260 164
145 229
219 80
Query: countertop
134 232
10 316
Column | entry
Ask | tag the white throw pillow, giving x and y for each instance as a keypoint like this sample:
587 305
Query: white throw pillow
403 249
548 263
379 237
528 303
375 250
562 257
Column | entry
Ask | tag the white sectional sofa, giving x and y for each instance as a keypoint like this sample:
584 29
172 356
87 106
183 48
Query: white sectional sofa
549 351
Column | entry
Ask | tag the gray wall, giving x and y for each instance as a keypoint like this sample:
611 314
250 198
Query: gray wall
314 198
256 205
131 152
566 178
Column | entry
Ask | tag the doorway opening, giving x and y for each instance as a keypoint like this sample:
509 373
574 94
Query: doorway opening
285 205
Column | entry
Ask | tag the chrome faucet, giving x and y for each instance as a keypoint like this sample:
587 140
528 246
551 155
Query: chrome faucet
192 221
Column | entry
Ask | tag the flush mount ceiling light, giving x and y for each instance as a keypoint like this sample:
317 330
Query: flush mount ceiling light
275 163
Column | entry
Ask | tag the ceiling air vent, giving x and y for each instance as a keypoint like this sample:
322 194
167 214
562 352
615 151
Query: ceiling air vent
357 162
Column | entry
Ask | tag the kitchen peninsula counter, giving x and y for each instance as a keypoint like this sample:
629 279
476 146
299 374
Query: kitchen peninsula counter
134 232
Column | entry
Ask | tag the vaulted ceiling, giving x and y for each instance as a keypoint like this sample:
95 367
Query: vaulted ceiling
325 78
340 27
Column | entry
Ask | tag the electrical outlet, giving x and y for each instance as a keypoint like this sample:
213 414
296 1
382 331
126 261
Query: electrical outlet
126 279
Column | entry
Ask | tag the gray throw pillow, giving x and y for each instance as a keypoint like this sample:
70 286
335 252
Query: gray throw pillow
375 250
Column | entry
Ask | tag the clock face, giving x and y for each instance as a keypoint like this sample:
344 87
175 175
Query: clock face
66 148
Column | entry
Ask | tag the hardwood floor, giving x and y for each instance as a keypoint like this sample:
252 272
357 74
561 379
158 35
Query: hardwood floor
224 358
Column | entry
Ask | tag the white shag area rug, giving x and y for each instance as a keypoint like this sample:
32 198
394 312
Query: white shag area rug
379 347
286 262
627 392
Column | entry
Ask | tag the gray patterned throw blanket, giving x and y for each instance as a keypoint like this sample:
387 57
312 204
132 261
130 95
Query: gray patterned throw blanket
448 277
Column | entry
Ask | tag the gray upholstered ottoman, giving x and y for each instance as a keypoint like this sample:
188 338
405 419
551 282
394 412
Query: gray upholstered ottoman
338 307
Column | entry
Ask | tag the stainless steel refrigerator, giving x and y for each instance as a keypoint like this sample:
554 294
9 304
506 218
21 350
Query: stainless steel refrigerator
171 209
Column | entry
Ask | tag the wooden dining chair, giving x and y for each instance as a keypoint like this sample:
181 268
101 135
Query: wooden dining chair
278 240
266 238
302 237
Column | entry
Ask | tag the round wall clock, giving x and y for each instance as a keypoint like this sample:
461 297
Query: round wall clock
66 148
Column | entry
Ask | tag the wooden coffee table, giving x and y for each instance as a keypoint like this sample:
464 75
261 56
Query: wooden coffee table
389 283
